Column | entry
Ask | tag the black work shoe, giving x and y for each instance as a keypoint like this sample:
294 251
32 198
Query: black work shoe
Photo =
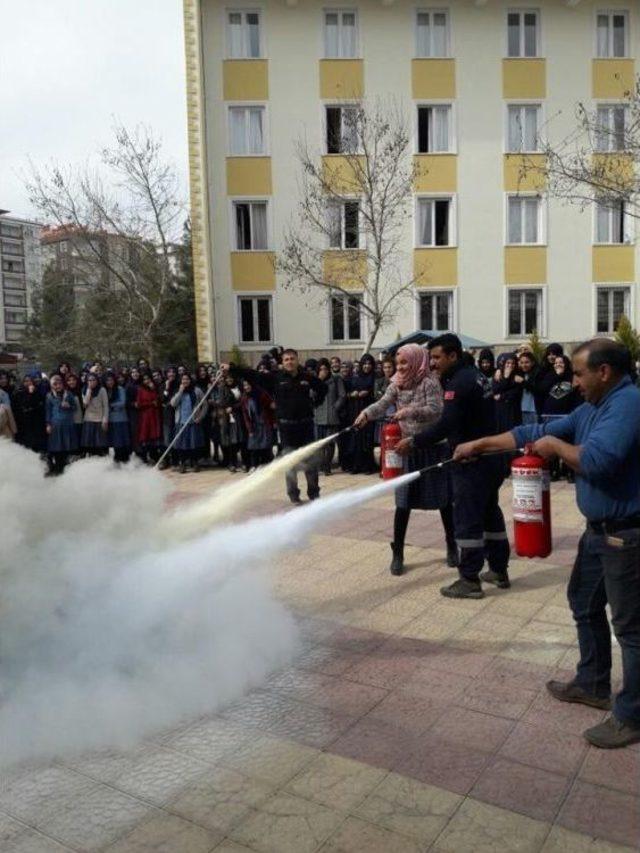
295 499
463 588
569 691
500 580
397 563
453 557
612 734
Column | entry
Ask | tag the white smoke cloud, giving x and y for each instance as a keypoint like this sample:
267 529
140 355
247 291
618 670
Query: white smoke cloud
107 633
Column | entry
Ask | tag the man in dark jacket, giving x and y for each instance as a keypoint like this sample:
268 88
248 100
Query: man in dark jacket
291 388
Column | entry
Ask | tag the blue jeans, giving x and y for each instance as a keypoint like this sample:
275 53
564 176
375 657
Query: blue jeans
607 569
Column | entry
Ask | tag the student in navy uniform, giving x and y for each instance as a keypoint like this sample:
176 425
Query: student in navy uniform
478 522
119 436
600 441
61 407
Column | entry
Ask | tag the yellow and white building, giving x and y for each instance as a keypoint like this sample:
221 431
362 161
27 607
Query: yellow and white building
481 82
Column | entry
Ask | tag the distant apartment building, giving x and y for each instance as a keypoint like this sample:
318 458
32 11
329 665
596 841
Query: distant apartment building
480 82
21 267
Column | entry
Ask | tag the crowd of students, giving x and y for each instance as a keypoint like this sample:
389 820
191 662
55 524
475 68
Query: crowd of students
140 410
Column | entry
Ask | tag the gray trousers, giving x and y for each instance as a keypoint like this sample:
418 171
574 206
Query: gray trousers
310 470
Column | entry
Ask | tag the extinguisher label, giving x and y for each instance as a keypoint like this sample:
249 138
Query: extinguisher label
393 459
527 493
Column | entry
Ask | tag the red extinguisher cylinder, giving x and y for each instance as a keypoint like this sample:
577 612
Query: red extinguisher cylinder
531 505
392 463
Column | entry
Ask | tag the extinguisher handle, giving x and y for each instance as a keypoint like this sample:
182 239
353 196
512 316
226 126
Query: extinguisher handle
528 449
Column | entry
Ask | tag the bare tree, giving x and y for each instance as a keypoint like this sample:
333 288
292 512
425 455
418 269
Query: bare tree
126 216
352 216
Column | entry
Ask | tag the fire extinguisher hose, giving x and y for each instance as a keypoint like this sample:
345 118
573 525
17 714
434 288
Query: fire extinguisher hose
480 456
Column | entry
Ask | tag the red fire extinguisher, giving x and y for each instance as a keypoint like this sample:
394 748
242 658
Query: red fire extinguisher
531 505
391 462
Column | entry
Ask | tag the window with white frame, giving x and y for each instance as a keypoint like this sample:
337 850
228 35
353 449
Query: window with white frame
345 316
344 225
523 33
250 219
434 128
340 34
243 34
523 127
611 127
612 27
432 33
255 319
524 311
436 310
435 225
524 219
342 129
611 304
246 130
612 222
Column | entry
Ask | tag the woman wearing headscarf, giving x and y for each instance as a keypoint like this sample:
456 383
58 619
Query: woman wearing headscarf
347 414
149 422
169 390
361 396
257 411
418 401
119 435
387 368
28 409
327 413
95 422
562 398
62 437
185 402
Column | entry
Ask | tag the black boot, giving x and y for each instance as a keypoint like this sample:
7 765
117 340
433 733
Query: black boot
397 564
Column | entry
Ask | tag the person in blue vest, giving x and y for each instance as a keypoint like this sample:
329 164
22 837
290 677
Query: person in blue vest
61 406
600 442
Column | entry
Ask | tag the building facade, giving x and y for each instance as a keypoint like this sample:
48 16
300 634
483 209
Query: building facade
480 83
21 267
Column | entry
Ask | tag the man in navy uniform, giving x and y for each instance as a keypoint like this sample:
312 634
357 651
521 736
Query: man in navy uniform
600 441
478 522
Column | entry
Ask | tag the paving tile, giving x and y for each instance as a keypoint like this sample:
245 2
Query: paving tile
355 836
221 801
308 724
166 834
349 639
375 742
564 841
287 824
270 760
297 684
498 699
15 837
158 775
408 711
336 782
437 685
546 748
613 768
30 795
409 807
603 813
258 709
454 767
382 671
547 712
209 739
505 671
347 697
482 828
229 846
451 659
327 660
463 727
519 788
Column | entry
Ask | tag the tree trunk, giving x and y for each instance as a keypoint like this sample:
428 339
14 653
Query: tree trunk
372 336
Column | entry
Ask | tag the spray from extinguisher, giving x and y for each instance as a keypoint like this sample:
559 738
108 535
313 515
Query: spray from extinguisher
531 505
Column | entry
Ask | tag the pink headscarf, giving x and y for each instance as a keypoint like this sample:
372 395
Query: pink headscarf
418 361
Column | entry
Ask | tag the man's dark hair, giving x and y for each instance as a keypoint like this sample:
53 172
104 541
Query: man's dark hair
605 351
289 350
449 343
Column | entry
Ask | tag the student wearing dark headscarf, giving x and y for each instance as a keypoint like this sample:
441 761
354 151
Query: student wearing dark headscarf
185 402
546 373
361 395
95 421
347 415
28 410
327 414
119 435
562 398
487 363
257 411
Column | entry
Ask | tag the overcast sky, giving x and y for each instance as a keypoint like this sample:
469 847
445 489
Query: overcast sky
66 68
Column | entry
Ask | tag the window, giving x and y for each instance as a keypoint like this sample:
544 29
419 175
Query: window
342 130
12 266
15 300
524 312
523 127
611 304
435 222
13 231
344 228
243 35
255 319
611 34
246 130
432 34
14 283
522 33
11 248
434 129
251 225
524 215
340 34
15 316
346 323
613 224
611 123
436 311
63 246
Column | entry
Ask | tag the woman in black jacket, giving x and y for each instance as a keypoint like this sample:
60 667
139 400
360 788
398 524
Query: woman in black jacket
562 398
29 412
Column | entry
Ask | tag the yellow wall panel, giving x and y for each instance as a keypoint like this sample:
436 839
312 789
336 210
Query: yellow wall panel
245 80
525 264
341 78
524 78
342 173
433 78
436 173
613 263
435 267
249 176
524 173
615 170
612 78
347 269
253 271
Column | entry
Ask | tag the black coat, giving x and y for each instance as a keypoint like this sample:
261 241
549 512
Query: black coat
29 412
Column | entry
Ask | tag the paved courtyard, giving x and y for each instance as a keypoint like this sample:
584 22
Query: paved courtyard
406 723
